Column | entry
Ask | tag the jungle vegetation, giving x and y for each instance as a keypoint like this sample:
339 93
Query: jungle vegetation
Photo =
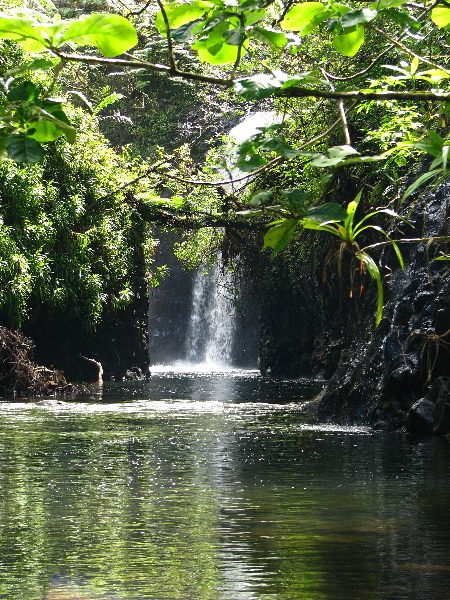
102 105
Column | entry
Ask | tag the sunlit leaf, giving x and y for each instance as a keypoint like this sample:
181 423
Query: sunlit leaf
111 34
181 14
278 236
305 17
257 87
271 37
349 42
440 15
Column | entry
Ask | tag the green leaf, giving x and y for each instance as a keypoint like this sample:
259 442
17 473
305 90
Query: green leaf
354 17
181 14
52 125
38 64
257 87
220 54
382 4
273 38
305 17
421 180
24 149
402 19
235 37
349 42
251 164
295 200
24 32
111 34
278 236
186 31
327 213
280 146
351 209
374 272
24 92
336 154
249 213
440 15
261 197
214 50
254 15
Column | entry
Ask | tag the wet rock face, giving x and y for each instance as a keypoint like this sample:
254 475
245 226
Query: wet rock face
431 414
383 373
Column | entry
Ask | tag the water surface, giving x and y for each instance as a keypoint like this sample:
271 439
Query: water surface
200 487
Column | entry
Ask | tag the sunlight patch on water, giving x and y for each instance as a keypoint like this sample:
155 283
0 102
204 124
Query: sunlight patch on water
205 368
332 428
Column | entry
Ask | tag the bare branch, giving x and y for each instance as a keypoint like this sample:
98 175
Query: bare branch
173 65
344 123
410 52
142 64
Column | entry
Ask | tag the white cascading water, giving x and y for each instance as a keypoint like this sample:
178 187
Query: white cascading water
212 324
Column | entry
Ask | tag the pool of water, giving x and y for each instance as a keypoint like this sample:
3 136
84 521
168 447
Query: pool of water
197 486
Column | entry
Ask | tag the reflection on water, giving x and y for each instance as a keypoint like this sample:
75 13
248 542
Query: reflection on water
197 488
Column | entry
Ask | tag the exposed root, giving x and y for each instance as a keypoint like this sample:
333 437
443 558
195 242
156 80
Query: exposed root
20 376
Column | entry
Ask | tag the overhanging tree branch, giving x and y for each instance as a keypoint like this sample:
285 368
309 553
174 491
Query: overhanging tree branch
292 92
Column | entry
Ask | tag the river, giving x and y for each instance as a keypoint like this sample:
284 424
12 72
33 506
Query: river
200 486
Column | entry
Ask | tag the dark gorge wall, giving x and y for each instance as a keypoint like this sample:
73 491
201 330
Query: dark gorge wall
310 326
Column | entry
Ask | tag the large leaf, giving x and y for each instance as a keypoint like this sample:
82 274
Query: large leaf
257 87
214 50
440 15
305 17
279 145
328 212
181 14
271 37
349 41
235 37
262 197
24 149
402 19
24 92
23 31
278 236
354 17
254 15
111 34
186 31
52 125
250 164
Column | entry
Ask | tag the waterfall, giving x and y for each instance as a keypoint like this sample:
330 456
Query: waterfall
192 319
212 324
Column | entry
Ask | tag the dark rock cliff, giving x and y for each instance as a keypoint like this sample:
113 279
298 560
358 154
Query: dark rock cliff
375 375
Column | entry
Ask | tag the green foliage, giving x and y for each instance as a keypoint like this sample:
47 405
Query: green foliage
111 34
334 219
70 244
282 54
